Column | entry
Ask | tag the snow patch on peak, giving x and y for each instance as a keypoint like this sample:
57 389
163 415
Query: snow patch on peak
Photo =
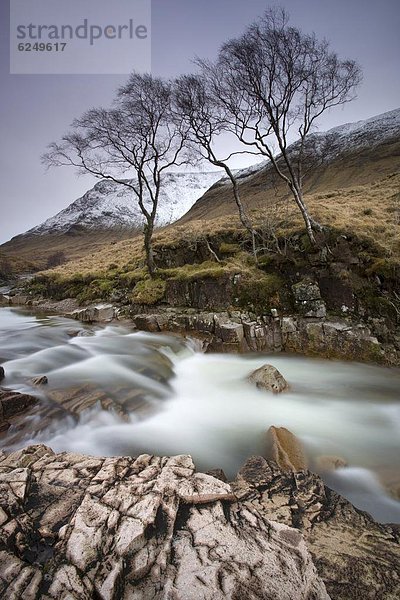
387 123
361 134
109 205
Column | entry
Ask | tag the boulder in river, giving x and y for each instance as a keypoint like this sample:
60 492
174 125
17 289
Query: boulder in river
79 333
12 403
268 377
146 527
101 313
286 449
2 373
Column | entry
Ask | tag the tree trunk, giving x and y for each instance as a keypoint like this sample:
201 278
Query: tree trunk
242 214
148 246
310 223
295 186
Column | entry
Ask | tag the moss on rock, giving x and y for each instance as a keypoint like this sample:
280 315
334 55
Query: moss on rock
149 291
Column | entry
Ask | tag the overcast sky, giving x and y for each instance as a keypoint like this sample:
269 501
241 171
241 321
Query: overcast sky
37 109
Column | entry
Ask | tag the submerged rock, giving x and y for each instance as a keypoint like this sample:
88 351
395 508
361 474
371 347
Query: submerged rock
146 527
268 377
40 380
75 400
330 463
286 449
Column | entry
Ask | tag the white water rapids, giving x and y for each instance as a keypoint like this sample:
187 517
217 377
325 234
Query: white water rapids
201 404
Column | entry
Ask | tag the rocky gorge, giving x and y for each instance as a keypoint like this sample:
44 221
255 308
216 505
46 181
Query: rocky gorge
316 333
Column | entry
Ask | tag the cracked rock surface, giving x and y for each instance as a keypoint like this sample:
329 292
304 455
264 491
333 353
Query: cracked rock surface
356 557
79 527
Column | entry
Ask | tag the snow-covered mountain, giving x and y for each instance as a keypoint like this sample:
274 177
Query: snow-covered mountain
369 132
349 137
343 139
352 137
109 205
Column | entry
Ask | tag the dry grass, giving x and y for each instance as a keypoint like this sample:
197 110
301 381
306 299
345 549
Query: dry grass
36 250
369 211
13 264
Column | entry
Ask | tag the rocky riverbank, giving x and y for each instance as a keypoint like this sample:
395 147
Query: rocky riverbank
152 527
317 334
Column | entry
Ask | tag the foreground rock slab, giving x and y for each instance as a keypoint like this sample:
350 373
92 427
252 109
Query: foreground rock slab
81 527
356 557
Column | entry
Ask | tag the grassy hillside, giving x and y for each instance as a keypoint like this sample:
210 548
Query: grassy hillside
370 211
13 265
38 250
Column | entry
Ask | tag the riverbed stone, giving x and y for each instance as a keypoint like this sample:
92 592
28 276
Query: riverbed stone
269 378
79 398
102 313
146 323
40 380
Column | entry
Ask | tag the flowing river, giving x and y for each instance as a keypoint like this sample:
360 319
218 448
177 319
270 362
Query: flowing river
150 393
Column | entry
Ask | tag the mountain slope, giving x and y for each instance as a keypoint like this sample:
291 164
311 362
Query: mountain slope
105 214
351 154
109 205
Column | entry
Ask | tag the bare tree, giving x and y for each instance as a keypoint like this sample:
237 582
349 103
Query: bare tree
206 119
274 82
56 259
133 144
6 269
